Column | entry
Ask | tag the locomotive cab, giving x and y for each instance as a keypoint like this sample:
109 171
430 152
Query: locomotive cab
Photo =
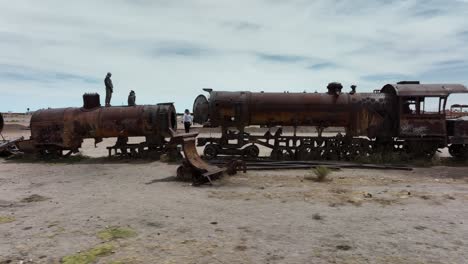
422 116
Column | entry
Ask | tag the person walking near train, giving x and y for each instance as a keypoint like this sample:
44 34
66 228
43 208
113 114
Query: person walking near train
187 120
109 88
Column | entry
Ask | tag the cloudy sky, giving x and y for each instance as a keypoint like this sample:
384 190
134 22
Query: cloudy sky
53 51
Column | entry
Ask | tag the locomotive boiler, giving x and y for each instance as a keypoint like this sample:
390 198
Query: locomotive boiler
56 130
360 114
370 121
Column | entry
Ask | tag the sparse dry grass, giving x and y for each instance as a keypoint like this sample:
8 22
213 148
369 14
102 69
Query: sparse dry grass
90 255
34 198
6 219
116 232
320 172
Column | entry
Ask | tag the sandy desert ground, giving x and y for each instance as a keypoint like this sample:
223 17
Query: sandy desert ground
99 210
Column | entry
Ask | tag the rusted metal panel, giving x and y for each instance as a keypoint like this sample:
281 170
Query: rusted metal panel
422 126
457 130
67 127
441 90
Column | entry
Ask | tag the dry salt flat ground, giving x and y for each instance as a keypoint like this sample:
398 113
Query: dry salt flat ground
97 210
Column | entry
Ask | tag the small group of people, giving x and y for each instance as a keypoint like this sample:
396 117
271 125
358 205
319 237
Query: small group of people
110 90
187 118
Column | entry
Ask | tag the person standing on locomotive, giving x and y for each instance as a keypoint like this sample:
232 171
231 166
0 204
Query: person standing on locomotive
131 98
187 120
109 88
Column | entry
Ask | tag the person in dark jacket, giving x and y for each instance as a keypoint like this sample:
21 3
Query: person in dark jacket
131 98
109 88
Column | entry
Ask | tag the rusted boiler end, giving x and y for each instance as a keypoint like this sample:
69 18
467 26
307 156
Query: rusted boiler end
65 128
1 122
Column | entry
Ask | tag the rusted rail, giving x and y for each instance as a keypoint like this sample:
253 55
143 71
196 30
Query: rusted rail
270 165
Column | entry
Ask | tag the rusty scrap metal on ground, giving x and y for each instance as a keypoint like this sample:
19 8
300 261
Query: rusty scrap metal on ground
193 167
8 147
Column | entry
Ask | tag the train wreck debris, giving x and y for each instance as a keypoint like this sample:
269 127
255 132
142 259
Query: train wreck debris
193 168
8 147
397 118
56 130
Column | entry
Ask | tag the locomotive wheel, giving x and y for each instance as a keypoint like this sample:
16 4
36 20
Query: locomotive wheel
282 154
309 153
51 152
331 154
184 173
276 154
304 153
429 153
418 150
210 151
458 151
252 151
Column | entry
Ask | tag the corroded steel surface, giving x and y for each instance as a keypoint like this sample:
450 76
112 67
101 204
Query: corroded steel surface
457 130
67 127
200 170
360 113
422 125
442 90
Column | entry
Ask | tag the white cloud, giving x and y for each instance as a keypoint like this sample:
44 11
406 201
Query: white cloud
52 51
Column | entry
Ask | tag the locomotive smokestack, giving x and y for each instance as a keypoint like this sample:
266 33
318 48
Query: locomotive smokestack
353 89
91 100
334 88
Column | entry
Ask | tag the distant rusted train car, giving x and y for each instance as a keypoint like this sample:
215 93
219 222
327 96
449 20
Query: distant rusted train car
394 117
56 130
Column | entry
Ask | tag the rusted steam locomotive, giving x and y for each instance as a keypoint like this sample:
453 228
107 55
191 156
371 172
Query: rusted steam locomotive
394 118
54 131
